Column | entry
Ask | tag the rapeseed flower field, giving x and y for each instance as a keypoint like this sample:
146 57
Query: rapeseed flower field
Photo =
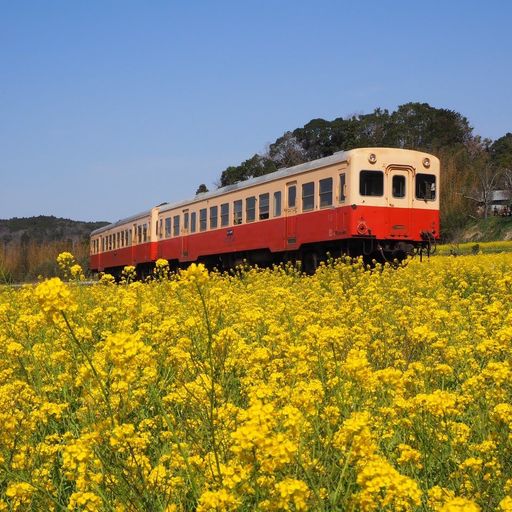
264 390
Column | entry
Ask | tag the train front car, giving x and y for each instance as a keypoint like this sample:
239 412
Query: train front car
394 201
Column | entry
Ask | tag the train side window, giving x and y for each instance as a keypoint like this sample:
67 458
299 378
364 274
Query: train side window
277 204
118 239
371 183
144 232
325 192
139 234
292 196
129 233
308 196
202 219
185 220
264 205
398 186
193 217
343 187
224 214
122 238
176 225
250 209
425 187
160 228
213 217
167 227
237 212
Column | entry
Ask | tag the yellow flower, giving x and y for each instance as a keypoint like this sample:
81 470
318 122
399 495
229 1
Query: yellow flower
54 298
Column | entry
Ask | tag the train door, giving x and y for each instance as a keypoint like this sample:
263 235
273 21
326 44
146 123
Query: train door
134 242
399 189
341 212
291 213
184 234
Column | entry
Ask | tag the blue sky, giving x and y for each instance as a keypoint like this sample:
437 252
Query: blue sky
110 107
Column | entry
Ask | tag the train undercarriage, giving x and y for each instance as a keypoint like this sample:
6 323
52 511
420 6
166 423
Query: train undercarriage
308 256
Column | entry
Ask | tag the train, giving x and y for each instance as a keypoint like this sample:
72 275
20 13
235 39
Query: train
379 203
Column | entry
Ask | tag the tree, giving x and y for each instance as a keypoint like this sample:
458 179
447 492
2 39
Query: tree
202 189
420 126
287 151
501 157
485 174
257 165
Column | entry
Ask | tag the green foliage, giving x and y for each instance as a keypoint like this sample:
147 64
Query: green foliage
501 152
412 126
202 189
257 165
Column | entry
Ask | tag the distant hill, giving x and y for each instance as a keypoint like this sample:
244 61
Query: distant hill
29 246
45 229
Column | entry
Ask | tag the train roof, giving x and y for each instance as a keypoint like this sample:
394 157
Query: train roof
121 222
338 157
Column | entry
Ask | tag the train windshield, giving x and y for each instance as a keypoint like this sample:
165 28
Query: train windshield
371 183
425 187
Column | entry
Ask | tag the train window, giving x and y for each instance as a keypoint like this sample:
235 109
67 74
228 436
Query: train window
325 192
308 196
224 214
109 242
398 186
202 219
144 232
176 225
118 240
426 187
167 227
139 234
185 220
213 217
264 206
371 183
160 228
122 238
343 187
193 217
129 234
237 212
292 196
277 204
250 209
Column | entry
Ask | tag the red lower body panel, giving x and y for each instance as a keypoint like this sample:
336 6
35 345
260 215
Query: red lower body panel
282 234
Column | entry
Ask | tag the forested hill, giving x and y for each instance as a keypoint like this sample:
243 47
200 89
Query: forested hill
471 165
43 229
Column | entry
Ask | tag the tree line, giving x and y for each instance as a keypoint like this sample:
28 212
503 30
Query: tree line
471 166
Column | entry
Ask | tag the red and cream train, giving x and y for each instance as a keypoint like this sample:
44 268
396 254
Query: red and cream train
382 203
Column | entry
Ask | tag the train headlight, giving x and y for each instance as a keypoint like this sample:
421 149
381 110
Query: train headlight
372 158
426 163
